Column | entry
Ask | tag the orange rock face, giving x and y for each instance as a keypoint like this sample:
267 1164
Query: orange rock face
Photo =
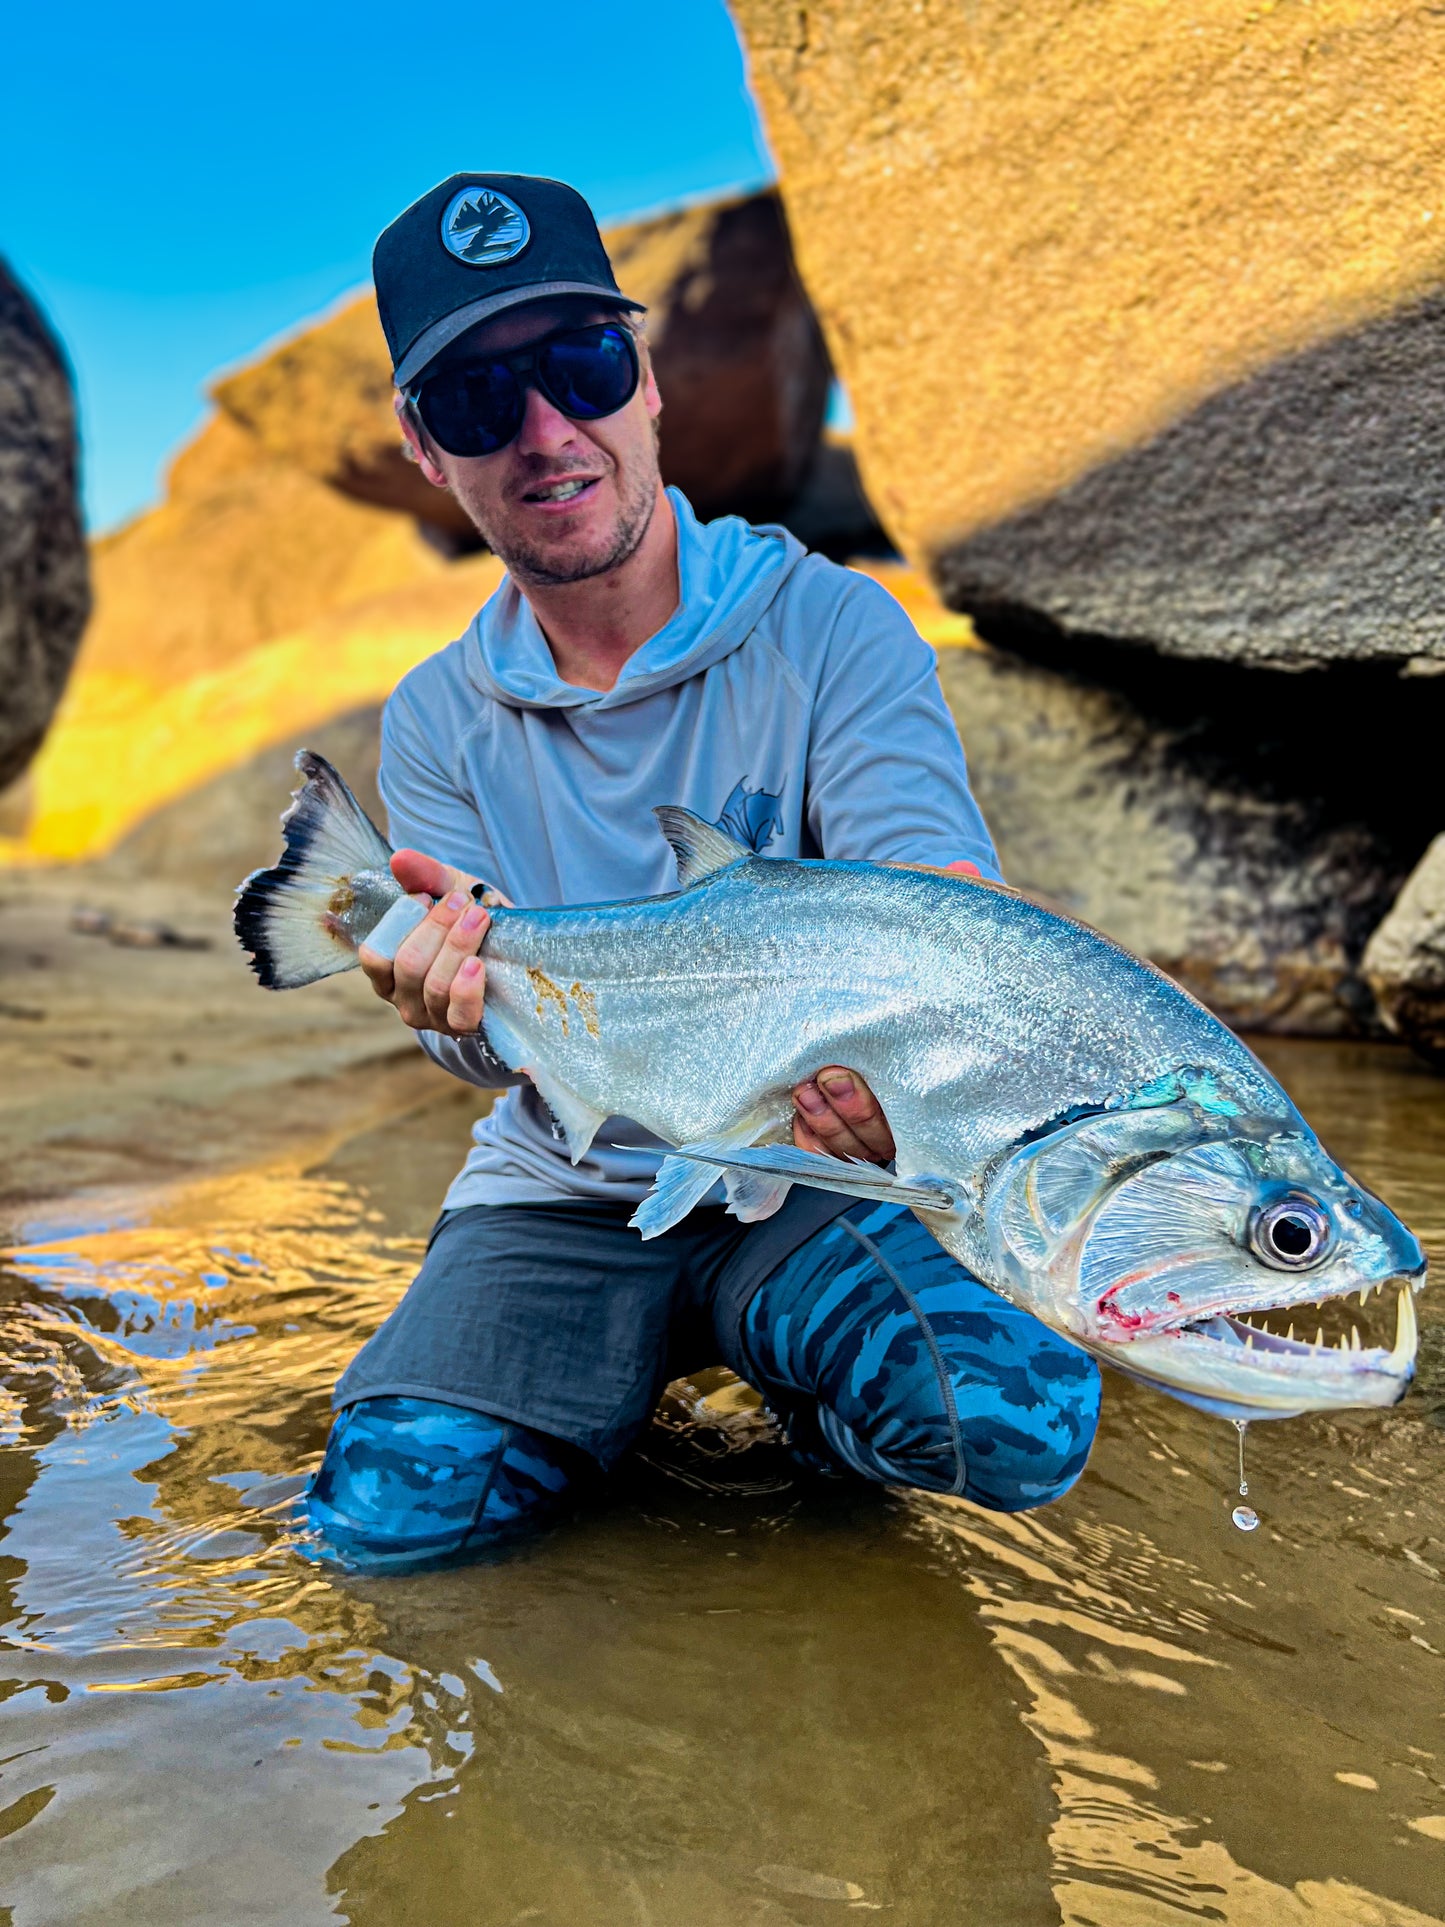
1044 240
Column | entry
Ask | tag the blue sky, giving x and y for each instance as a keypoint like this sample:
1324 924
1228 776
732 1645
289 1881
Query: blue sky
179 184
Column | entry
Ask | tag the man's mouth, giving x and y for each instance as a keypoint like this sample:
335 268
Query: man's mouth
566 488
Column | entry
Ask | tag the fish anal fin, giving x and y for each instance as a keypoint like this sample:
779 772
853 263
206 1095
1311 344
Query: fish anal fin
701 848
679 1185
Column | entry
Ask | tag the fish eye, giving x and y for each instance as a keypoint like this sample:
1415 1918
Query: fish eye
1290 1233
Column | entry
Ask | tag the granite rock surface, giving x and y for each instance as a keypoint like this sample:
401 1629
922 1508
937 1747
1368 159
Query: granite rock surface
44 580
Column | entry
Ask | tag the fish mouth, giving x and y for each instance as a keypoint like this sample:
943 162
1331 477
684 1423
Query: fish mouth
1227 1363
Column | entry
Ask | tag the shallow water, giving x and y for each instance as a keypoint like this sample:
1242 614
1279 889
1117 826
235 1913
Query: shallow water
719 1697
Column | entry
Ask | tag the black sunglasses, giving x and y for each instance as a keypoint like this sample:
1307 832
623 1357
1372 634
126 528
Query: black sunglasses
476 407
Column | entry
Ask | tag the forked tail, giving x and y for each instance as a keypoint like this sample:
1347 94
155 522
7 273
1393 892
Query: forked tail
304 919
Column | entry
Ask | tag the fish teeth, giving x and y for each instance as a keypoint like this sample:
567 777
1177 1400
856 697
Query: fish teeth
1319 1337
1406 1329
1355 1345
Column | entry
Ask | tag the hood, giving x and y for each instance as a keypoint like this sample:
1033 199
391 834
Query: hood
729 573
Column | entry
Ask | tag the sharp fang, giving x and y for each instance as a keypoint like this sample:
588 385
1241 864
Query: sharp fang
1249 1341
1364 1293
1355 1338
1319 1337
1406 1330
1290 1332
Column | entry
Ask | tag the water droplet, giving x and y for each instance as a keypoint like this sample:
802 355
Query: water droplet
1241 1425
1245 1517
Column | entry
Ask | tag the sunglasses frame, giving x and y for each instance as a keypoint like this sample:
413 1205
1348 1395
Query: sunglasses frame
521 364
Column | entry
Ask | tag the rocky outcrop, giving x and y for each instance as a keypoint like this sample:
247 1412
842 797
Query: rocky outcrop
44 587
1180 825
1405 960
1139 309
739 359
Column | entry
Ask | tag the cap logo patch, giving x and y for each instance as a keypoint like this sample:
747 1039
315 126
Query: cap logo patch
483 228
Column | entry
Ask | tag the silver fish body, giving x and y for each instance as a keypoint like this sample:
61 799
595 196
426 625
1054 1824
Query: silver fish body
1078 1130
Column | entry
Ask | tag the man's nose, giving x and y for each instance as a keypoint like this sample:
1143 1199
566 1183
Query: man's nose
545 430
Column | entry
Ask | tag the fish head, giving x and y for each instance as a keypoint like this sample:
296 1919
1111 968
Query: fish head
1184 1245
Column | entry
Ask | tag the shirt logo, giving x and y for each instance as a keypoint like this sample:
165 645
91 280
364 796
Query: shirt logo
752 817
484 228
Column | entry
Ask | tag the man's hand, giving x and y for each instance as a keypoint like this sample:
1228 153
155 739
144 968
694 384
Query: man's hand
437 979
836 1115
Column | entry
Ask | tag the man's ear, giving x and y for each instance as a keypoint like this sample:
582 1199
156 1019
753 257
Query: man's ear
418 447
650 395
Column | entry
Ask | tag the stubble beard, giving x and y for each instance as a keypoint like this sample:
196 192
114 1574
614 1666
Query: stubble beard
543 568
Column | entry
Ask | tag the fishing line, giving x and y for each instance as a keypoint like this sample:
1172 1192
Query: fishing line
945 1383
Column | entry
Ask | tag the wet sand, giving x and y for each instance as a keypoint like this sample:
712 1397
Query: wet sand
716 1696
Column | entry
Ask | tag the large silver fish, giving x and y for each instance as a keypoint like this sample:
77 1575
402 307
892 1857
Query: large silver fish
1075 1128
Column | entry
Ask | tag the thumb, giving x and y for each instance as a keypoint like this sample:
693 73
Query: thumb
417 873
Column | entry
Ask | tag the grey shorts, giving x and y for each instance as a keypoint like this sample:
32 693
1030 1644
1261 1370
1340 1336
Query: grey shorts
560 1316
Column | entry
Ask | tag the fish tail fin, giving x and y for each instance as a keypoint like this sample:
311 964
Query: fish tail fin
295 919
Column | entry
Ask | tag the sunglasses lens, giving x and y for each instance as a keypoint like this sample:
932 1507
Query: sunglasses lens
589 373
473 408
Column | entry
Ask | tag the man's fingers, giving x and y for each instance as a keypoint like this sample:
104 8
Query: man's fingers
418 874
461 941
841 1113
464 1007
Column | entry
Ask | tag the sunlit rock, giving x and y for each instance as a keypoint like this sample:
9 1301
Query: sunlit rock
1140 309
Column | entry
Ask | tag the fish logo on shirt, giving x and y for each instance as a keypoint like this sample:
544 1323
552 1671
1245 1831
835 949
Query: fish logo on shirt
753 817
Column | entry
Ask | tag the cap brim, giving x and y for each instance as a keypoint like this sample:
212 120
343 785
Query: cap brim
441 334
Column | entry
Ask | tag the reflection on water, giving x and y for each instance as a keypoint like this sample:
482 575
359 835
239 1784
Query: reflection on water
720 1697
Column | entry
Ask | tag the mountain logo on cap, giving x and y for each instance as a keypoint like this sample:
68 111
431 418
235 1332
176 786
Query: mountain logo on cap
484 228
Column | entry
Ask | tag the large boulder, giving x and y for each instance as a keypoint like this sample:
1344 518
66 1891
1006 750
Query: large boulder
1162 821
44 585
739 358
1405 960
1141 309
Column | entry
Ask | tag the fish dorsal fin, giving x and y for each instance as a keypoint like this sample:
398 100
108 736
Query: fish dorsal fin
700 848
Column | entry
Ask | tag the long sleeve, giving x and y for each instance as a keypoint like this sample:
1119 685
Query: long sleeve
886 779
426 810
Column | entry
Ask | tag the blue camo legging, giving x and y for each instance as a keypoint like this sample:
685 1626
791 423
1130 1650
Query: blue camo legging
883 1354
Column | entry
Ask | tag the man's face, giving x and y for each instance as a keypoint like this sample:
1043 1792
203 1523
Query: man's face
512 496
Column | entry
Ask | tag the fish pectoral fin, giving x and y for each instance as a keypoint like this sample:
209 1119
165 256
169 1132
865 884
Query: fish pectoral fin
678 1186
700 848
852 1177
753 1195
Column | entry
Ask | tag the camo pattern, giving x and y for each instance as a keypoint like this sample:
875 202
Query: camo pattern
407 1480
833 1340
907 1371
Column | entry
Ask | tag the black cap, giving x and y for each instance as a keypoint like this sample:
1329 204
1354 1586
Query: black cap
477 244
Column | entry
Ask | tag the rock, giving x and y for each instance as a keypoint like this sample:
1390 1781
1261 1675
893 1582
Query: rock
1140 309
246 546
1161 822
221 831
740 361
44 585
1405 959
321 403
739 357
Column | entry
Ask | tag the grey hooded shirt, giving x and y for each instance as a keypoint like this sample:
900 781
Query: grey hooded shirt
787 699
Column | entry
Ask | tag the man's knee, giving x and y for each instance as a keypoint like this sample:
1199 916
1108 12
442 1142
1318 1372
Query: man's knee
1010 1439
411 1479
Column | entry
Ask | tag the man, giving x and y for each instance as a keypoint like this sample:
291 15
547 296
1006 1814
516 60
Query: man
634 657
